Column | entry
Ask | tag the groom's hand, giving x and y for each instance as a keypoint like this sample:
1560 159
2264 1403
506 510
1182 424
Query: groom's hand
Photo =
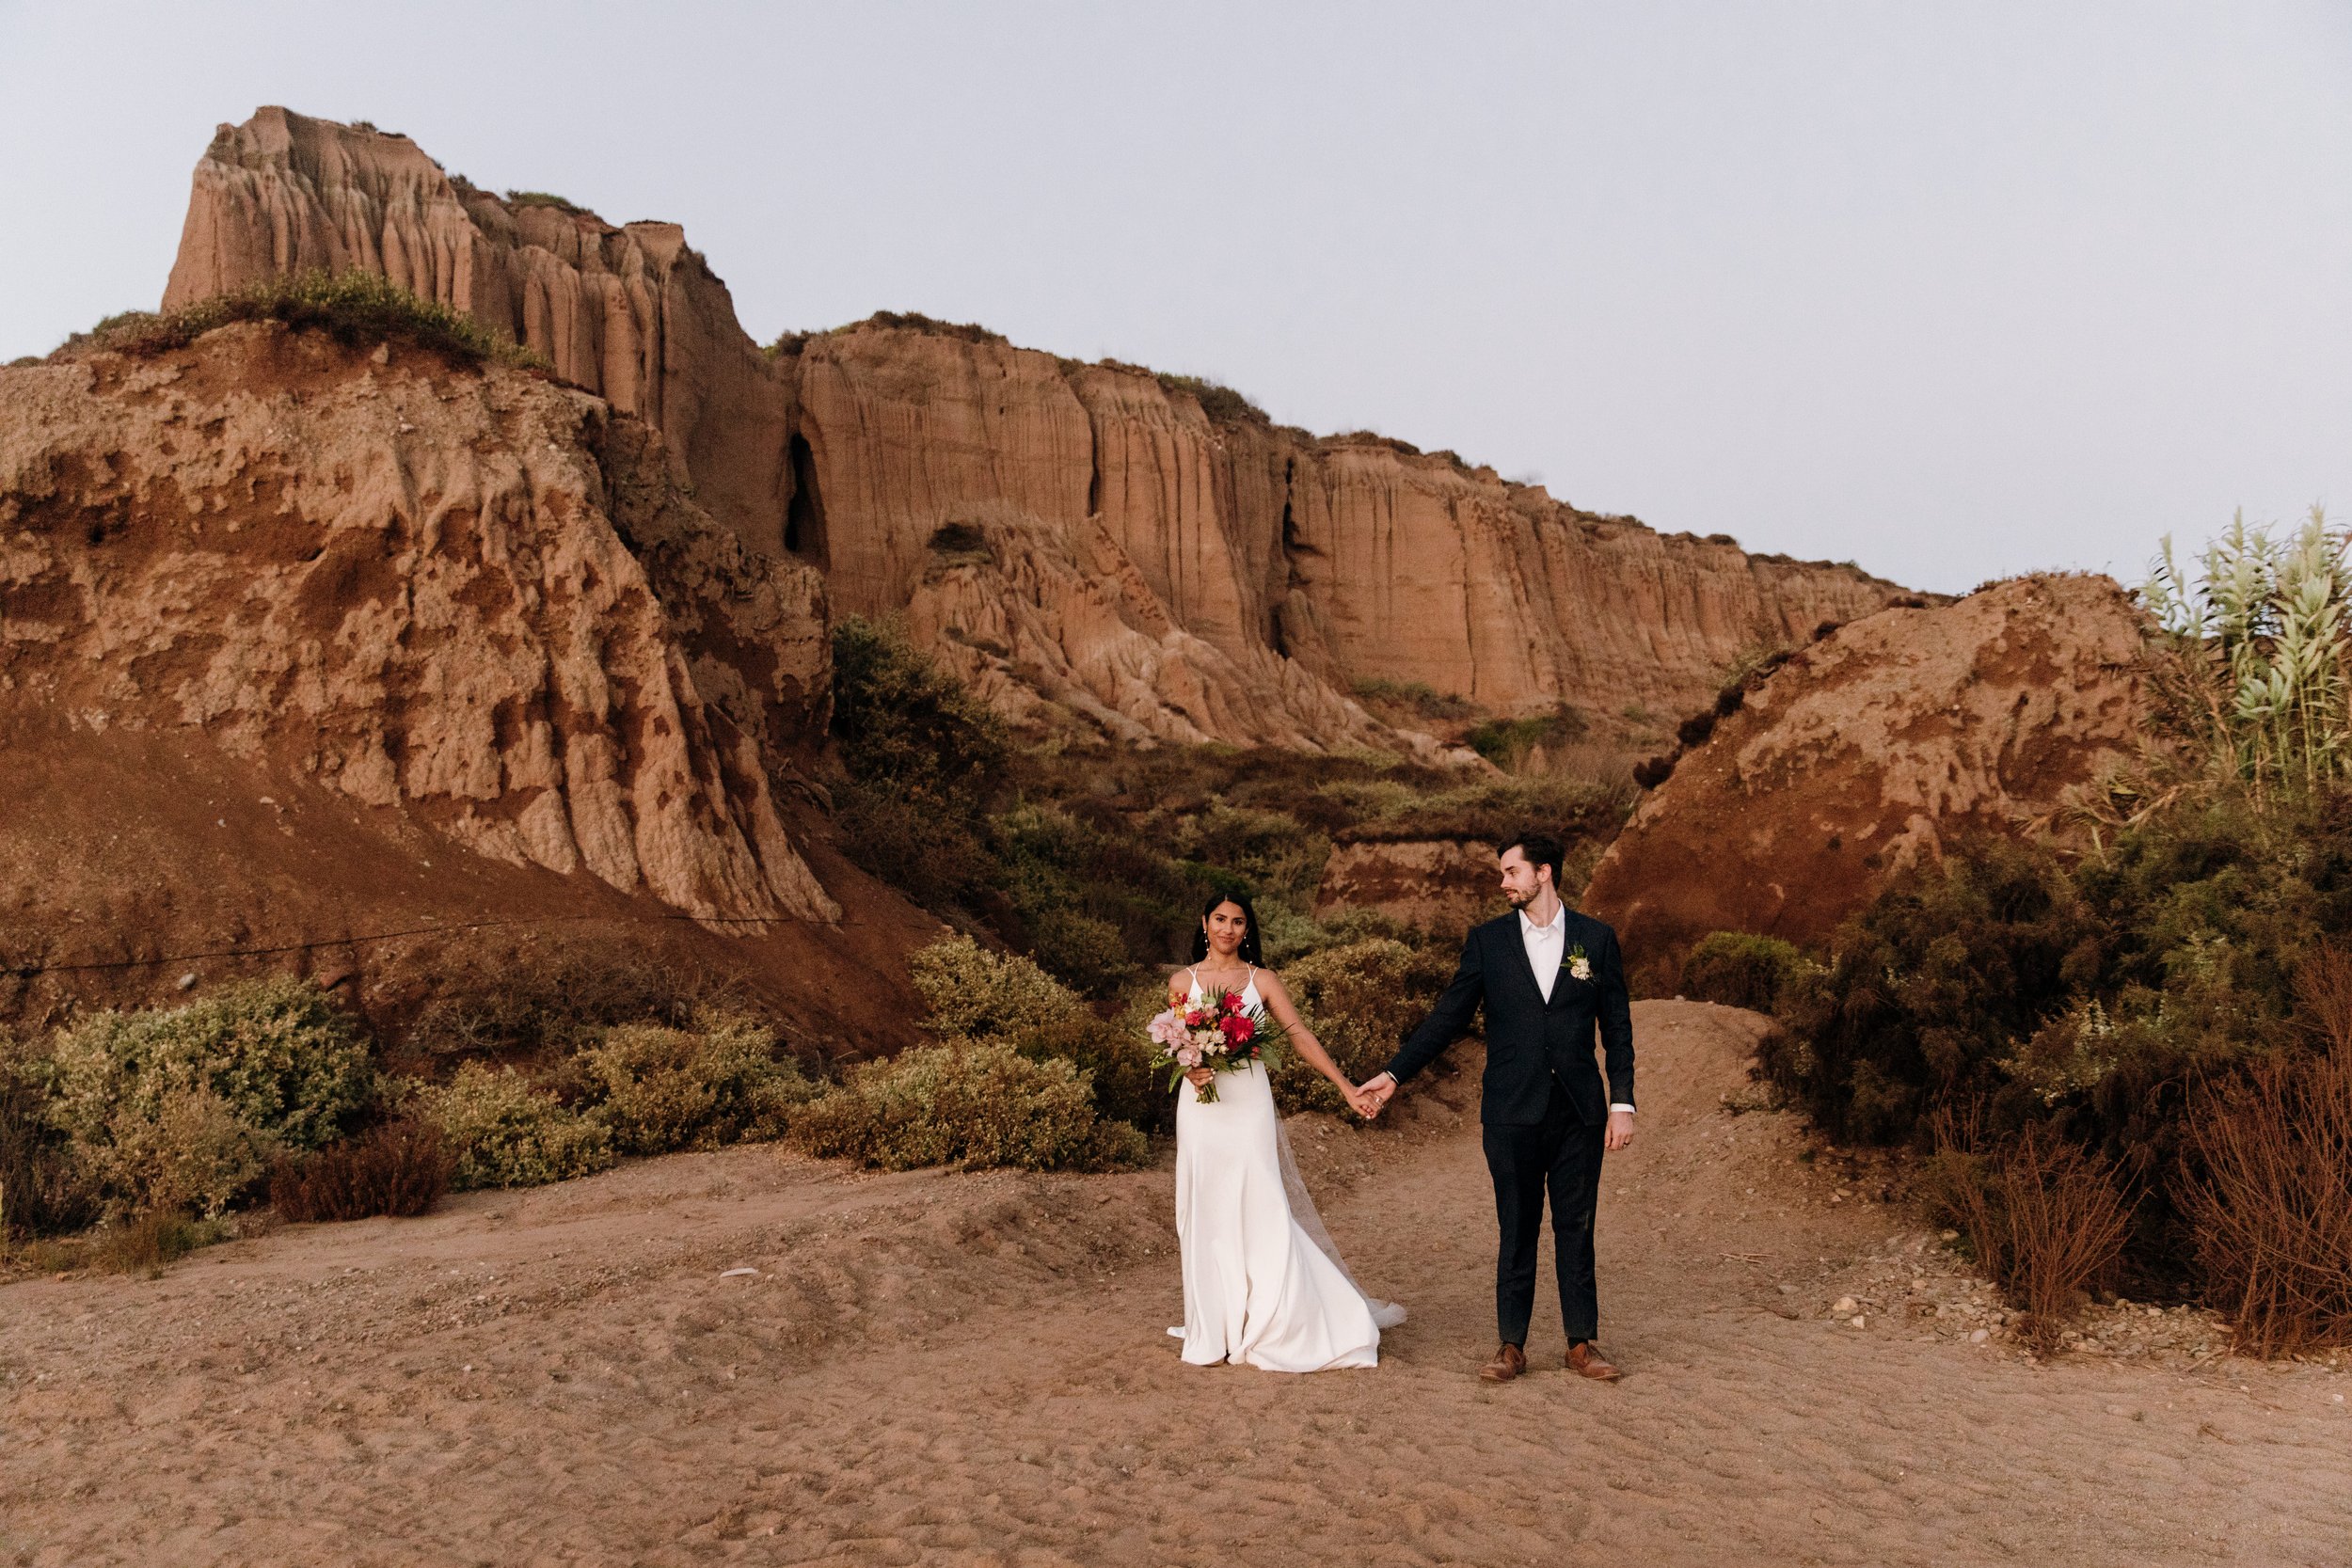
1620 1131
1377 1088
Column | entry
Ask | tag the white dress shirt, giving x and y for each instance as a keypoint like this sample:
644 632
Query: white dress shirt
1546 945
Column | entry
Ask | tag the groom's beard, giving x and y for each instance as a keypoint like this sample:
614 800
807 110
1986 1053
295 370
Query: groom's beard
1516 899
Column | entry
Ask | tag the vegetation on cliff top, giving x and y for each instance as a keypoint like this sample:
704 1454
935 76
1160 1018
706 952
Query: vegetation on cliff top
356 308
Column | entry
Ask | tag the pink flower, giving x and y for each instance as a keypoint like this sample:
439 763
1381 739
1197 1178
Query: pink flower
1188 1056
1167 1029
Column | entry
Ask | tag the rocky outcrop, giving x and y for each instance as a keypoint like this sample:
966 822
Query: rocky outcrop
470 599
631 313
1080 540
1870 750
1436 884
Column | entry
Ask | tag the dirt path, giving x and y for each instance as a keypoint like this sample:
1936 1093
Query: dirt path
972 1369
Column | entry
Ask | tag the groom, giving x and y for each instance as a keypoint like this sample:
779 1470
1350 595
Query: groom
1550 980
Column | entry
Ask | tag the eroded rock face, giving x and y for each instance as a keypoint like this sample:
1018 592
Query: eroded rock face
1081 541
1436 884
473 599
631 313
1869 750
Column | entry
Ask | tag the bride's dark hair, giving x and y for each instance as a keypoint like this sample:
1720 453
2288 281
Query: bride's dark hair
1251 953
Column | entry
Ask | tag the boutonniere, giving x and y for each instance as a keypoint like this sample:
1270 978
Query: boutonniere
1579 965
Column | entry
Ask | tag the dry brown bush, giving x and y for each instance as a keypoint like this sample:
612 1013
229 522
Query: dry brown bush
2047 1219
398 1168
2268 1184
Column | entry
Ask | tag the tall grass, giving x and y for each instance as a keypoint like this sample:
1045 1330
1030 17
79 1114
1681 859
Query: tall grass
2259 638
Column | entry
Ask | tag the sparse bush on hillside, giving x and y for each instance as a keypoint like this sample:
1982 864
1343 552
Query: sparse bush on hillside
544 199
1417 698
185 1108
924 756
355 307
502 1132
1740 970
974 1104
1088 898
1359 1000
1241 850
399 1168
554 994
1508 742
1219 402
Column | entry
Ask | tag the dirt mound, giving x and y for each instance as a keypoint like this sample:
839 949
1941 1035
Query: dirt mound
1095 545
1869 750
303 641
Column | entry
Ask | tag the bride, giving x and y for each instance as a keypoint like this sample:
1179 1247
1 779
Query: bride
1263 1286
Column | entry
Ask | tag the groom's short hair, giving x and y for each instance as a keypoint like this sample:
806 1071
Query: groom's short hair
1537 848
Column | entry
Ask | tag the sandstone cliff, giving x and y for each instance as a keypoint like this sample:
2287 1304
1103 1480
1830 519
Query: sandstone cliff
1078 540
1869 750
353 659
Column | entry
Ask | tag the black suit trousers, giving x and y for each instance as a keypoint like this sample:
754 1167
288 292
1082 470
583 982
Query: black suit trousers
1561 1156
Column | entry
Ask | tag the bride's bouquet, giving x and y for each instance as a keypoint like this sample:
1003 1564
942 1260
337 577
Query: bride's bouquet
1222 1033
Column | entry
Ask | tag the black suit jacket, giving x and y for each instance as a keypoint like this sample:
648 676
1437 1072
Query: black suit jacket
1531 1042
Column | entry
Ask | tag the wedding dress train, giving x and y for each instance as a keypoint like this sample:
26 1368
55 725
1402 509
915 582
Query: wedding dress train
1263 1286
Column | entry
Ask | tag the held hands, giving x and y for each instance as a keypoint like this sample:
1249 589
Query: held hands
1370 1097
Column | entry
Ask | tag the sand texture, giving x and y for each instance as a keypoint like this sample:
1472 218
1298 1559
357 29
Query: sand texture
973 1370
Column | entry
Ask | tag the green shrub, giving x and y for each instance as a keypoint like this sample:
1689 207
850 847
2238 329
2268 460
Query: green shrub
973 1104
185 1108
970 990
1265 851
657 1089
1929 988
501 1133
923 755
899 717
1003 998
46 1185
1360 1000
353 308
1093 893
1741 970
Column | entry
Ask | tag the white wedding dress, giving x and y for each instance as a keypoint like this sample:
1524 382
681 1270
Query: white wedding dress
1263 1286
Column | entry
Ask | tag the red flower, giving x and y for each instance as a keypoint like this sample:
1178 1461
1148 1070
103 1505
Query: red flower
1195 1019
1237 1029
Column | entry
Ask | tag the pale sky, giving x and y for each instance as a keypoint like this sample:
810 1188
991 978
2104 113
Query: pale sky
1952 291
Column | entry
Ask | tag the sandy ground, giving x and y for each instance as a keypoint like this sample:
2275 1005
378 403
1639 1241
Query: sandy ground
973 1370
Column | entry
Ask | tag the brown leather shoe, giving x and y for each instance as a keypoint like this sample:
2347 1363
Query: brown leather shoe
1585 1361
1509 1362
